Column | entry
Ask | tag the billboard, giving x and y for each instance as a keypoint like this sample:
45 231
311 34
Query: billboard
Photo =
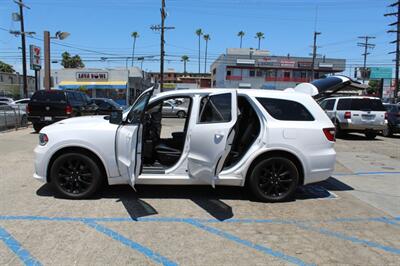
373 73
35 57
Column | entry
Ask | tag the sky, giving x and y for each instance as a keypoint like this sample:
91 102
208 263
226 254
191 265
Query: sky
100 29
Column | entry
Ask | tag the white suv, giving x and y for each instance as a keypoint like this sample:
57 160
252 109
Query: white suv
272 141
356 114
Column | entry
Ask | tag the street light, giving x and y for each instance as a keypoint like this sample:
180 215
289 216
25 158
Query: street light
59 35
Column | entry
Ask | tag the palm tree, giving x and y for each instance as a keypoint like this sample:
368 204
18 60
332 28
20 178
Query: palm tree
259 36
199 32
206 38
184 59
241 34
134 35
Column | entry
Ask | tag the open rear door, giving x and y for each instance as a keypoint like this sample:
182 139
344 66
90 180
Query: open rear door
212 135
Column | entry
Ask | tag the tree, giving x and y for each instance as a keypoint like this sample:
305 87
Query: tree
134 35
4 67
206 38
374 86
199 32
259 36
184 59
71 62
241 35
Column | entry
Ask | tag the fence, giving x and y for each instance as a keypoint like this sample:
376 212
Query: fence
13 117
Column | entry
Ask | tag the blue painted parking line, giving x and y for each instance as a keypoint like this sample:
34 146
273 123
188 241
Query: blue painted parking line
367 173
349 238
246 243
133 245
17 248
385 220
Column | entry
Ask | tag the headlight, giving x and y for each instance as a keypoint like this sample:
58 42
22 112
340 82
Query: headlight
43 139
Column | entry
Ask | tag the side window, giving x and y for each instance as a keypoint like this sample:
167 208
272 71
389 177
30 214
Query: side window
344 104
286 110
323 105
216 108
330 104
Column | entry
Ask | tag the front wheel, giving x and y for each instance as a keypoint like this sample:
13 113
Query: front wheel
181 114
76 176
37 127
274 179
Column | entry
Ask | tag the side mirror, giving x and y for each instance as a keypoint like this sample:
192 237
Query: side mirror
116 117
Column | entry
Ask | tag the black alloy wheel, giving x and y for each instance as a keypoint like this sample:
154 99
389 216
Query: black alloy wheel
387 132
274 179
75 175
37 127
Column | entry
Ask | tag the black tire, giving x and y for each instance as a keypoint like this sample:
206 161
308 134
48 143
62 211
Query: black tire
338 131
181 114
370 135
387 132
76 176
24 121
274 179
37 127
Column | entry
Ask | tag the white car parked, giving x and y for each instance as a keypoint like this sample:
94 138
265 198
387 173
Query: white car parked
272 141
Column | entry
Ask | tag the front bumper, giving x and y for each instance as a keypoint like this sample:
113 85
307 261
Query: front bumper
39 163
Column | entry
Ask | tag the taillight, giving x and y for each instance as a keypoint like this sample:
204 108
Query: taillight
386 115
68 109
43 139
329 133
398 114
347 115
28 109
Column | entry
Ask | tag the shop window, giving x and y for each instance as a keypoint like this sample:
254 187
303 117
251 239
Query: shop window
259 73
228 73
251 73
214 71
286 74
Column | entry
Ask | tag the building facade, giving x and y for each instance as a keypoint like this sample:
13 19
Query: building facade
249 68
11 85
174 80
122 85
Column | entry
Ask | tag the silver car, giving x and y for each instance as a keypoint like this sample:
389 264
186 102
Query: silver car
356 114
172 110
11 117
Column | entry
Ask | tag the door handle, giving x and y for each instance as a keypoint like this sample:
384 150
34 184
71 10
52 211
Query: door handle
219 136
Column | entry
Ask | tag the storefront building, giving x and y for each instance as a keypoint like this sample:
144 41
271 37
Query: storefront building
256 69
121 85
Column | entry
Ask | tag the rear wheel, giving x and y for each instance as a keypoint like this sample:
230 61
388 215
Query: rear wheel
387 132
338 131
37 127
274 179
76 175
370 135
24 121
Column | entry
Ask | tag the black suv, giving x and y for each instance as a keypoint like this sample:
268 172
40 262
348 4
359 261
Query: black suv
50 106
393 111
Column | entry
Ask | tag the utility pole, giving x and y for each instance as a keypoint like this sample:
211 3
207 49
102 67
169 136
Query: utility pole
314 54
366 46
397 42
23 44
47 65
162 28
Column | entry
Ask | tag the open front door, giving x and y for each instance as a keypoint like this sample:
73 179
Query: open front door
129 139
212 135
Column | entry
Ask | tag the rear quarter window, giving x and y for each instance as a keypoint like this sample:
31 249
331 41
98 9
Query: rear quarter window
48 96
286 110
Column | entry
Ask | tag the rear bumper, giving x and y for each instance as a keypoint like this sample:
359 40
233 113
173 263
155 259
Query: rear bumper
322 166
40 119
362 127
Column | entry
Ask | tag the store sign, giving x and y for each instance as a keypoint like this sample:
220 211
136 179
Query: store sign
380 72
266 61
96 76
245 61
287 63
304 64
325 65
35 57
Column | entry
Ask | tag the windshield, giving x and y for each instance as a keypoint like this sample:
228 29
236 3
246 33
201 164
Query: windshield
136 111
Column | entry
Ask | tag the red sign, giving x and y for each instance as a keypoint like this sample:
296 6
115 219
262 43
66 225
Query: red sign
35 57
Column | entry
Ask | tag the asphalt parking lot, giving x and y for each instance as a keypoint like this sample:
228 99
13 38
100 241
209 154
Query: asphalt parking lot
352 218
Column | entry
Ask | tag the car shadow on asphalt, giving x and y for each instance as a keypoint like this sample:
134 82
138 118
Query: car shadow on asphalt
207 198
355 136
